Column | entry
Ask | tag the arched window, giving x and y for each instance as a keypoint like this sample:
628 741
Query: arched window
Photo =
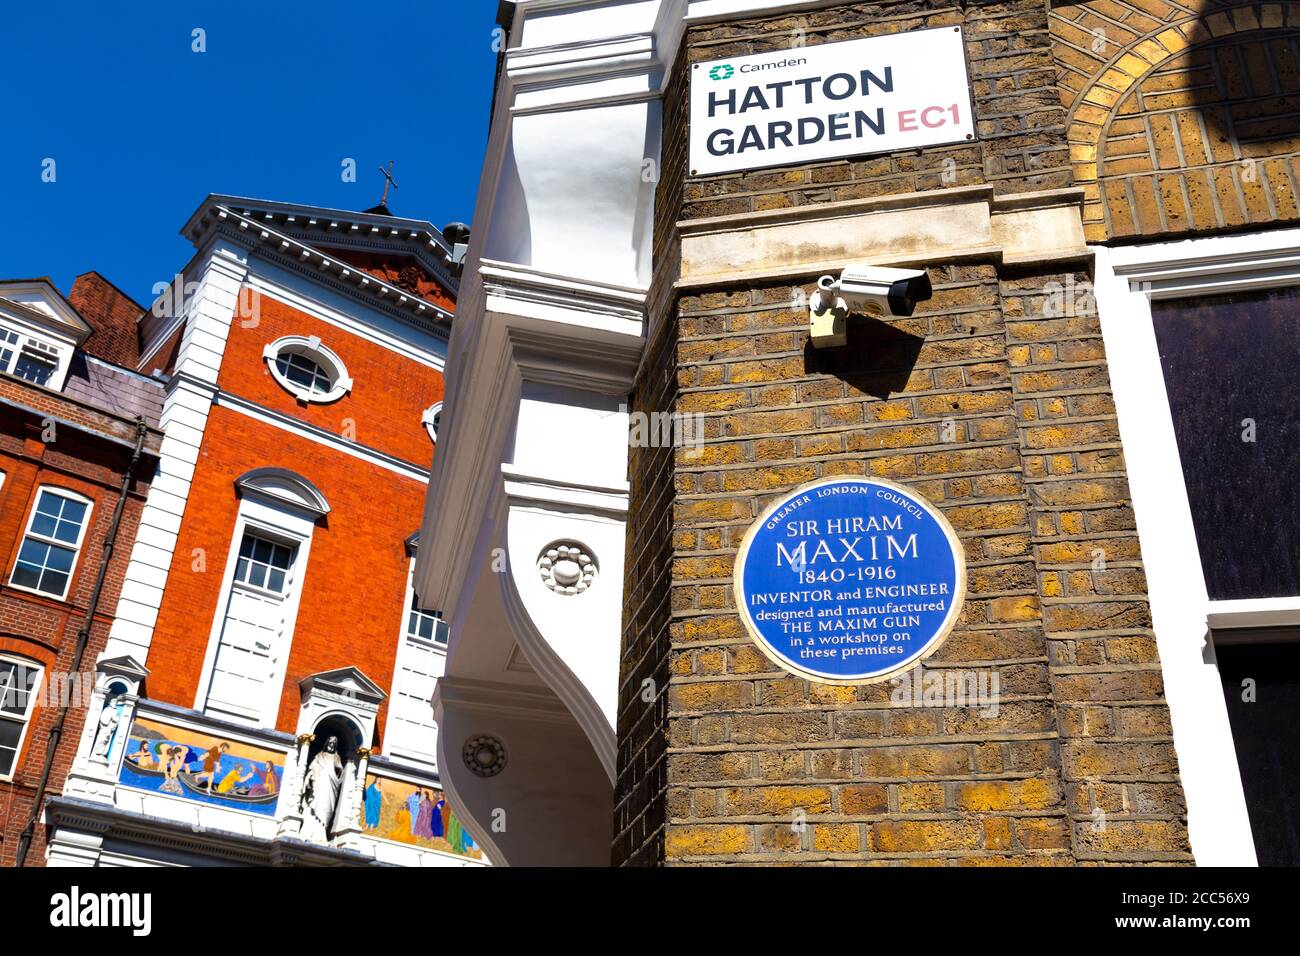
307 369
19 681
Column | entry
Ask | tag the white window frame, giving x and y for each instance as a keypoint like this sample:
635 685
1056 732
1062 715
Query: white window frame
284 525
430 420
76 548
29 664
1128 280
312 348
423 760
58 350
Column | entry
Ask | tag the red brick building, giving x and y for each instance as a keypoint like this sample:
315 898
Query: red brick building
79 443
266 626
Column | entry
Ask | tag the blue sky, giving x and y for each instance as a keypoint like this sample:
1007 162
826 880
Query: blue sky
141 128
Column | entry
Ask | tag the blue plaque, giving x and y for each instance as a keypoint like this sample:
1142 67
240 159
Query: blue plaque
850 580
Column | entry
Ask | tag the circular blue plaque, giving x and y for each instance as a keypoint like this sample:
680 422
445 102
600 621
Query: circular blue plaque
850 580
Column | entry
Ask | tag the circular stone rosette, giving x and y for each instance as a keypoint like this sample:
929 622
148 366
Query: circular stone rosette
485 756
567 567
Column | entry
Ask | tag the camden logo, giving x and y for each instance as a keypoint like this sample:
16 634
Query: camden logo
723 71
77 909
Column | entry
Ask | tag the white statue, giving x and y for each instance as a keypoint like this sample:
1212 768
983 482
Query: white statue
320 794
108 718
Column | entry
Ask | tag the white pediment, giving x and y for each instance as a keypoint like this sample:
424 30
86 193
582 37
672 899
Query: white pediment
42 306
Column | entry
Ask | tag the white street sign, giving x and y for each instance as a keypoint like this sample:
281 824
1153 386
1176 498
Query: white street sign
852 98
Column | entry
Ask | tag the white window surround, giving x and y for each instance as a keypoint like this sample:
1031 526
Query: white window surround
31 358
431 421
44 325
283 507
1128 279
410 648
28 665
312 348
73 546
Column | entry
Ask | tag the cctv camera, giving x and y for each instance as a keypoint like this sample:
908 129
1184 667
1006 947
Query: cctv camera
873 290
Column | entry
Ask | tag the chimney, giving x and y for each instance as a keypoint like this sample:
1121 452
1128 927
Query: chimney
112 314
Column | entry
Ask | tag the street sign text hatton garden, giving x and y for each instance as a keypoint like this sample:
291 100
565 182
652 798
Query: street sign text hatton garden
874 95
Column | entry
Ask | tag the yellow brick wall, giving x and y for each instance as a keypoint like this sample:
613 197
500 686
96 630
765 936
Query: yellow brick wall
991 402
1183 117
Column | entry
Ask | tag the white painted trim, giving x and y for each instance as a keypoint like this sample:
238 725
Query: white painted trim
26 324
284 524
75 547
297 293
309 347
207 314
266 241
27 663
280 487
321 436
427 760
1264 612
1127 279
153 347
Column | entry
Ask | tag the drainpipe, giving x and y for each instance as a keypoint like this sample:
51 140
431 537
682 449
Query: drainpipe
83 638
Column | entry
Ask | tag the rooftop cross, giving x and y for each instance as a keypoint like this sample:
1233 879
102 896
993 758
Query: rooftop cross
388 181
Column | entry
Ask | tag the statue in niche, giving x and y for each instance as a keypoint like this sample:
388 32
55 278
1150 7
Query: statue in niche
320 796
108 721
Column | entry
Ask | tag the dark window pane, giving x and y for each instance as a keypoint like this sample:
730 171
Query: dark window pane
33 369
60 559
1266 735
16 683
1227 359
10 731
43 524
54 582
26 576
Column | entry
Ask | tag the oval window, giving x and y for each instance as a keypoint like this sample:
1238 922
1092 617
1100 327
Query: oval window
307 369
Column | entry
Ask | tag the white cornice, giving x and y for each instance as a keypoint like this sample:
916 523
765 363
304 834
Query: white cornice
18 300
281 247
1255 260
940 225
415 236
584 58
490 697
565 331
554 494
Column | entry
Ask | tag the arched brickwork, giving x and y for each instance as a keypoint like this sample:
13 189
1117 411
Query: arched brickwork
1182 116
